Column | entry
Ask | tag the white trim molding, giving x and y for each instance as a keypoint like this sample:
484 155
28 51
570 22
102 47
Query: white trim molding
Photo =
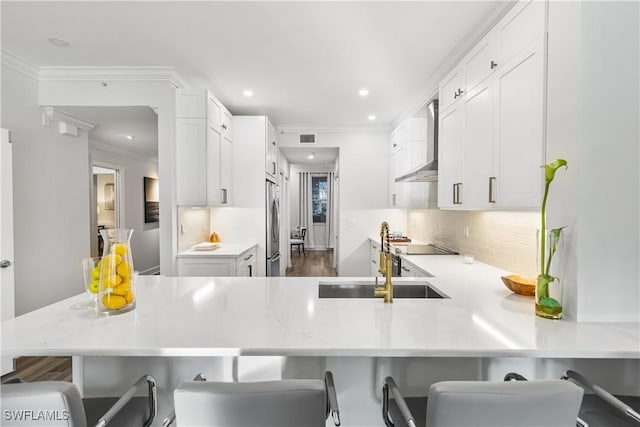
50 114
106 74
317 130
19 65
102 146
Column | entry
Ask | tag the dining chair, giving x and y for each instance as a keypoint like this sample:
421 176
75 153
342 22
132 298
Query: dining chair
299 241
484 404
284 403
58 403
171 418
601 408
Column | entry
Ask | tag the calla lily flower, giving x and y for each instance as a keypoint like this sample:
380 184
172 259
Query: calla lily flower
551 168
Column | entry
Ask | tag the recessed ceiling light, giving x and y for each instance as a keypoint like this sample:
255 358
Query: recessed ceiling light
371 117
311 156
363 92
58 42
130 137
248 93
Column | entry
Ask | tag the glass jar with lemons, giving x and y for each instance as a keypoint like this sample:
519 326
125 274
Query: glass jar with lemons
117 279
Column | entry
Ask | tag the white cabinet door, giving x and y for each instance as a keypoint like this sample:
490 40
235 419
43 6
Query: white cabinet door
416 143
480 63
226 125
191 162
450 88
520 129
478 146
396 189
407 270
226 172
450 158
374 259
518 29
207 267
246 264
271 166
214 151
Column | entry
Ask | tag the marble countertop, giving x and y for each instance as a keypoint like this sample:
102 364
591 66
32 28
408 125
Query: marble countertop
195 316
224 250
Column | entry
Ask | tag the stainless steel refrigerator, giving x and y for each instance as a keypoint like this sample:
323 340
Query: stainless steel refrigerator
273 229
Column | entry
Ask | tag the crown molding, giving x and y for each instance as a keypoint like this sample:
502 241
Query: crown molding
102 146
147 74
50 114
319 130
20 65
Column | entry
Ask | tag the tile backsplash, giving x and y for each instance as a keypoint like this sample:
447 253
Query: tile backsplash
506 240
193 227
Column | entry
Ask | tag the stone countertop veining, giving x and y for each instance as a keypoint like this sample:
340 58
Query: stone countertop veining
200 316
224 250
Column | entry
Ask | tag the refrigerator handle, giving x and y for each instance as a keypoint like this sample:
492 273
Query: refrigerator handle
276 257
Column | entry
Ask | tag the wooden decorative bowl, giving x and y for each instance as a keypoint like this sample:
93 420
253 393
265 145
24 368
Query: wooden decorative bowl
520 285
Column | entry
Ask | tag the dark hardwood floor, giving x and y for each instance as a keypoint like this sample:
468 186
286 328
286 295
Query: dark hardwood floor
46 368
312 264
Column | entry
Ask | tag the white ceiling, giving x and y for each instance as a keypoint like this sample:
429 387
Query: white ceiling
116 122
299 155
304 61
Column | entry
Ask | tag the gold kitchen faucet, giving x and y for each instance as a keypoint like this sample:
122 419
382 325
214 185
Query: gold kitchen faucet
386 291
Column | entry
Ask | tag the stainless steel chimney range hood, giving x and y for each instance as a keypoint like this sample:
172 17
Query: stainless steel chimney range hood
429 171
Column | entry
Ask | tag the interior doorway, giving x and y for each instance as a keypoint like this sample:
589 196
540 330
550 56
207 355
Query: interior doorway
313 209
106 203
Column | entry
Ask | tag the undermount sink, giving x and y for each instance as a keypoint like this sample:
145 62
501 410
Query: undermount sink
365 289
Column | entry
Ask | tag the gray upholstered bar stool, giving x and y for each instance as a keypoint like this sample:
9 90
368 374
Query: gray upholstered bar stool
285 403
484 404
58 403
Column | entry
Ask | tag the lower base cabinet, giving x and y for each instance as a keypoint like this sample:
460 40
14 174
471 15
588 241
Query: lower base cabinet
243 265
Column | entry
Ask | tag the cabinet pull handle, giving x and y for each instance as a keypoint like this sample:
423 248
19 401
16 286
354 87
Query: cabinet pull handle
250 270
493 64
459 193
405 269
492 179
455 95
224 126
249 257
455 192
460 92
224 195
373 261
395 145
393 199
274 167
5 263
273 143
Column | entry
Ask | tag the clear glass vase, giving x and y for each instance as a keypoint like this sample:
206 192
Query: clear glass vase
117 278
549 281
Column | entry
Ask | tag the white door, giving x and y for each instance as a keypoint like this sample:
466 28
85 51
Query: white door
6 239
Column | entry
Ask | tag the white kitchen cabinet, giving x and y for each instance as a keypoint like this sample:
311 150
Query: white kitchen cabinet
271 158
374 258
451 158
203 174
201 104
218 266
478 147
491 141
519 136
397 189
416 153
450 88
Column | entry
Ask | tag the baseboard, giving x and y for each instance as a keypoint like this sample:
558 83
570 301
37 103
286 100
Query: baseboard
151 271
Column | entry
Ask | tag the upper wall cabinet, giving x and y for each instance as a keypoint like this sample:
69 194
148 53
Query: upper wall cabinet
271 152
204 150
491 143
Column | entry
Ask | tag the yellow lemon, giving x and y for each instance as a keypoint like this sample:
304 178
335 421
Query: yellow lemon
122 289
119 249
111 260
94 286
124 270
111 281
95 273
129 297
113 302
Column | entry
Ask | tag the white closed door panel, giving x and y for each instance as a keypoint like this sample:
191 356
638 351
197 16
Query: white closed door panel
191 161
214 173
6 239
478 143
450 156
520 129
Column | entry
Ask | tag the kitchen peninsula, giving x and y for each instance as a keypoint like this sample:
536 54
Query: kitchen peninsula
185 325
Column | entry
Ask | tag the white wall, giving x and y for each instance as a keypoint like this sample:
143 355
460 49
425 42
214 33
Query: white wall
145 241
51 199
593 123
159 95
363 180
